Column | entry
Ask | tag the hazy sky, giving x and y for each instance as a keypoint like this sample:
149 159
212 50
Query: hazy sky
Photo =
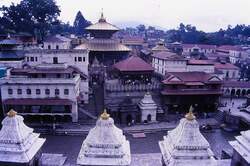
207 15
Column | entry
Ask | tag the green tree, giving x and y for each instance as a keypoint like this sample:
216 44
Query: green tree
80 24
32 16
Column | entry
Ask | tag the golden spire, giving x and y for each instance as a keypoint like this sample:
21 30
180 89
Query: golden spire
11 113
102 19
190 116
105 115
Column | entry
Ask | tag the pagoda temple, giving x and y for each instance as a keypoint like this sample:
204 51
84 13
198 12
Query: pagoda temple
186 146
101 45
105 145
148 108
133 69
18 144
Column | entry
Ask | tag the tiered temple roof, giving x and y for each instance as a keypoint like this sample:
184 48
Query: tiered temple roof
18 143
242 145
186 146
159 47
133 63
105 145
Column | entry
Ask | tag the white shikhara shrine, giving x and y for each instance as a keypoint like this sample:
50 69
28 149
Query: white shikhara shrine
105 145
242 145
148 108
186 146
18 143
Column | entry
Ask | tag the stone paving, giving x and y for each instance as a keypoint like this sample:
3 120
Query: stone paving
140 147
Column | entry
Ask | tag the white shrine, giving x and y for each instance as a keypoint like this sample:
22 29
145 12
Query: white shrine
105 145
148 108
186 146
241 146
18 144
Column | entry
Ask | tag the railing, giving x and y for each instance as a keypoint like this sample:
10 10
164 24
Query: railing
118 87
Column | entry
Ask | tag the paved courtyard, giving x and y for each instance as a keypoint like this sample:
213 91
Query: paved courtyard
70 145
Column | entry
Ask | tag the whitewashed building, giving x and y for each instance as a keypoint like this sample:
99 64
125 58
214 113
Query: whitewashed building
241 146
57 42
77 59
19 145
148 108
198 48
44 90
105 145
186 146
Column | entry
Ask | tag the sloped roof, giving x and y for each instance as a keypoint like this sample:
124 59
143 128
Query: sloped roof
230 48
102 24
103 45
226 66
57 39
167 55
160 47
203 46
133 63
185 77
199 62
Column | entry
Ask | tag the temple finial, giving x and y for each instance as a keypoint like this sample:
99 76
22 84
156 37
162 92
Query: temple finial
190 116
102 19
11 113
105 115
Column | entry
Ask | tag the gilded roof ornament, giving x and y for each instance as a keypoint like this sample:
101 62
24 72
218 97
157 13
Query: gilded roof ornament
11 113
105 115
190 116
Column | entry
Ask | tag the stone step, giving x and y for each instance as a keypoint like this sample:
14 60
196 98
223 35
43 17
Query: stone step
87 113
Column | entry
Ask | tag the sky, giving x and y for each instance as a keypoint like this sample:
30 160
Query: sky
206 15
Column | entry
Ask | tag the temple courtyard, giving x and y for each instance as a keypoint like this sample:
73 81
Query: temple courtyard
142 149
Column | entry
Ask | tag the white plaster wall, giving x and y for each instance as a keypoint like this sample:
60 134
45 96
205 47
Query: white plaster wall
201 68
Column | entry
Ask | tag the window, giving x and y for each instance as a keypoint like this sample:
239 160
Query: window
28 91
19 91
55 60
83 59
10 91
36 59
75 59
38 91
32 59
49 47
28 59
43 75
47 91
79 59
66 91
57 91
57 47
58 75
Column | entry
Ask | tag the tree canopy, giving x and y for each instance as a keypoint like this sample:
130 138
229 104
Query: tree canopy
80 24
33 16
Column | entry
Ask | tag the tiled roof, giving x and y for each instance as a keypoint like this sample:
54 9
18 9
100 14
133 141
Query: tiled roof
103 45
160 47
184 77
57 39
225 66
200 62
133 63
229 48
204 46
167 55
190 92
102 24
45 101
240 84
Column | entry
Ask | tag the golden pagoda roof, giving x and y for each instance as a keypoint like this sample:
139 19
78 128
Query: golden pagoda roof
190 116
102 24
11 113
105 115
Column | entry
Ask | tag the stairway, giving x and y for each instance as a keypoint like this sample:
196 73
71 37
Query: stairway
85 112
